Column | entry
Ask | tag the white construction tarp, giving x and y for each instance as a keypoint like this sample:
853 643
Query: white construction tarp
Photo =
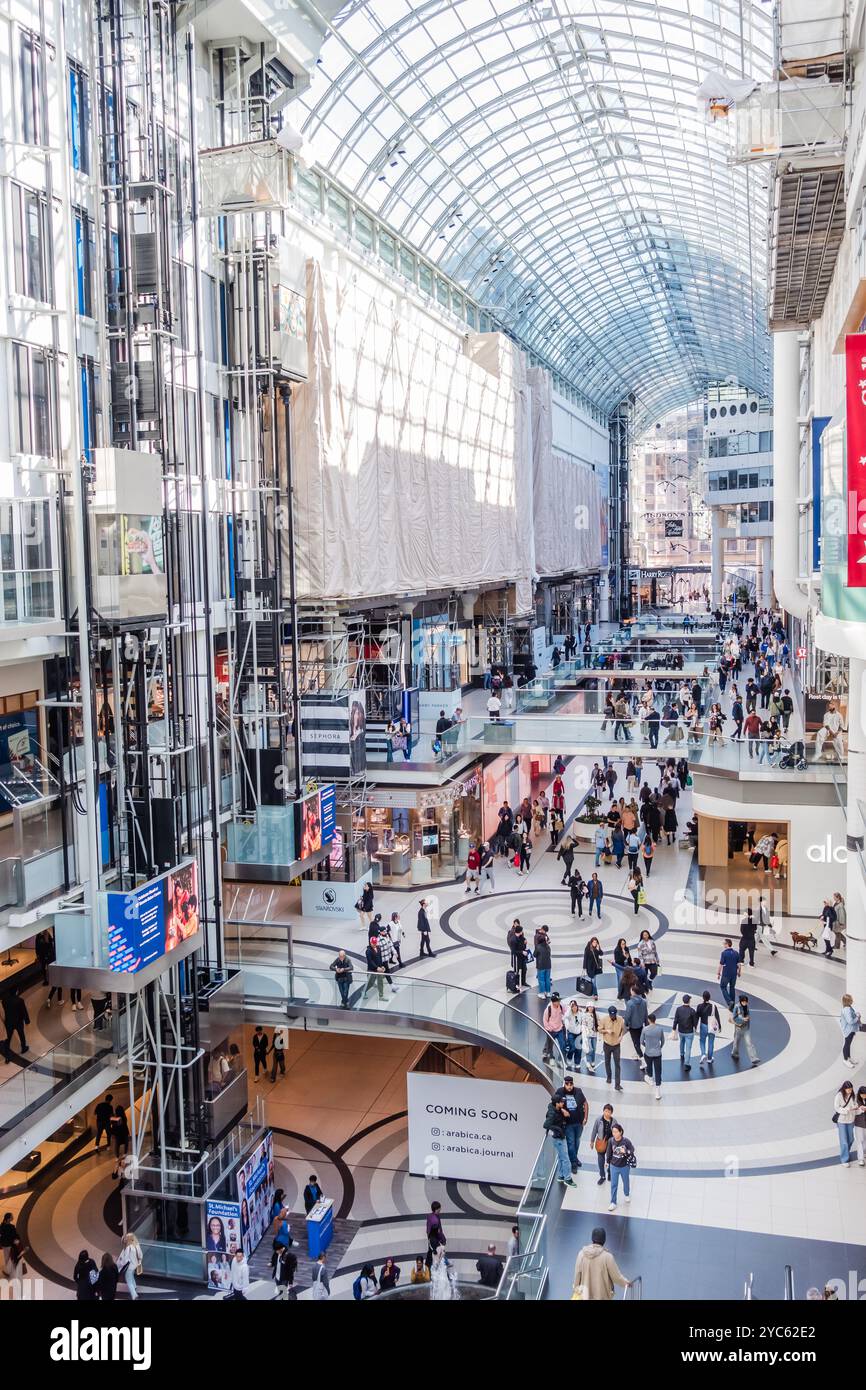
412 449
567 501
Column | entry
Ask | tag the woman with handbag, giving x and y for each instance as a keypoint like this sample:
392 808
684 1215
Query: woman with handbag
600 1142
321 1281
129 1262
621 958
593 963
622 1159
589 1028
85 1277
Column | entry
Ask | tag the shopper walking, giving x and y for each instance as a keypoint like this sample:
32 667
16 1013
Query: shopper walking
652 1042
828 932
647 953
566 854
709 1026
636 1015
849 1022
636 888
748 930
593 963
365 905
424 930
375 969
261 1043
239 1277
573 1033
599 1142
742 1020
685 1019
729 971
285 1269
85 1277
15 1016
106 1283
610 1029
543 962
519 948
622 1160
278 1054
589 1030
594 894
577 890
555 1123
841 921
102 1119
487 858
396 936
596 1273
119 1137
860 1126
845 1113
343 970
648 849
553 1023
129 1262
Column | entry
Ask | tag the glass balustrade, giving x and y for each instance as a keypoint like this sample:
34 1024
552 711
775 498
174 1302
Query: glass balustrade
52 1072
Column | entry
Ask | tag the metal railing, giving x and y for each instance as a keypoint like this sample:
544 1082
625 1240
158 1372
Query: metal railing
789 1295
634 1292
56 1071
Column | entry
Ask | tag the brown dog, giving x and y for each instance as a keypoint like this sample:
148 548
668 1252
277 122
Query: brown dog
805 940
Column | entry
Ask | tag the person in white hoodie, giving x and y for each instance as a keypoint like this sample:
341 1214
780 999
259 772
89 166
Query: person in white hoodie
396 933
129 1262
239 1276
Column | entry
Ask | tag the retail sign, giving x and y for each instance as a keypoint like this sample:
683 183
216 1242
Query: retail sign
334 900
855 390
673 527
801 653
480 1131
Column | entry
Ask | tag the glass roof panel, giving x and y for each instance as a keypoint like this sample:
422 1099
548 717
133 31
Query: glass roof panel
600 218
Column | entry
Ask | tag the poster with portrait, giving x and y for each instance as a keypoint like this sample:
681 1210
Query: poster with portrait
357 731
217 1273
222 1228
256 1187
182 919
311 825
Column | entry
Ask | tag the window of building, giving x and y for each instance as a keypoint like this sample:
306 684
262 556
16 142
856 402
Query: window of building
32 392
79 118
407 263
425 278
388 248
338 209
84 255
364 231
442 293
88 374
31 123
30 243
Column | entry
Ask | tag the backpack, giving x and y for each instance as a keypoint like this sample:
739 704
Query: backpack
356 1289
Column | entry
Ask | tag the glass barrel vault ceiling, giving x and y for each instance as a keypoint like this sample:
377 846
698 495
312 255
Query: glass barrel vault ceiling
551 158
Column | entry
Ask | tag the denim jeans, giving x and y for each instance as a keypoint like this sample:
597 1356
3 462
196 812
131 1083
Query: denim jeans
595 903
591 1044
686 1044
617 1176
708 1042
654 1068
598 854
552 1040
572 1046
543 978
846 1141
728 986
562 1163
572 1139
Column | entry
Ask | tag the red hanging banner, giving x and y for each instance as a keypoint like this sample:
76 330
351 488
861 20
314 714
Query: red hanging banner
855 390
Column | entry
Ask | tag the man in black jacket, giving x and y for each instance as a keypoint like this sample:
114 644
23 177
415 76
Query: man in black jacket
103 1114
490 1267
15 1016
653 720
342 968
748 929
424 929
685 1019
577 1109
261 1043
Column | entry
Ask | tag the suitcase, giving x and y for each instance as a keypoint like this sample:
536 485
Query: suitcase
583 986
511 982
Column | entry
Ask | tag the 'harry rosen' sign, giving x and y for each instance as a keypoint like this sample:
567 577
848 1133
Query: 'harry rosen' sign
855 376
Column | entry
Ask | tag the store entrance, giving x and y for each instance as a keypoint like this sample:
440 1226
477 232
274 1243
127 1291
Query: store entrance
730 872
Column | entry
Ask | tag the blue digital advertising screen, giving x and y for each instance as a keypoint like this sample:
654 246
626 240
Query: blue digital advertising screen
328 812
152 920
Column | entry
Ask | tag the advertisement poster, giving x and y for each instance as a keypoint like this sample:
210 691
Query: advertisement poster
311 826
145 924
256 1188
357 731
222 1228
855 389
328 812
141 545
17 752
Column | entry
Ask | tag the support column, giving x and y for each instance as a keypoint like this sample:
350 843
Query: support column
855 882
718 561
766 572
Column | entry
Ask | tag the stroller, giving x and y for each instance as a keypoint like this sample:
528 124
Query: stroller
793 757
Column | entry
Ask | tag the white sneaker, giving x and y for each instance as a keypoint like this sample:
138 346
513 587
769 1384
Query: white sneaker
849 1063
628 1199
658 1093
612 1206
48 1003
861 1163
702 1061
648 1080
642 1064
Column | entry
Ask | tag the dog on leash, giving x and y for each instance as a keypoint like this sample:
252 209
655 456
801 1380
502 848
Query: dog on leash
804 940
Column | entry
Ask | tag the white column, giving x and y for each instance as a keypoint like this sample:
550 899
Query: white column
855 885
786 472
766 572
718 562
